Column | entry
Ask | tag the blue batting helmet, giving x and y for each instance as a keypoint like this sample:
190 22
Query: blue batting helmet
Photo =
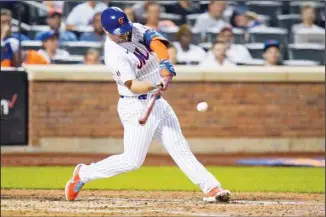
115 21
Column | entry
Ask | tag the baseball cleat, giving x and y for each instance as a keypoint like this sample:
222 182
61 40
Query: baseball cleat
217 195
74 185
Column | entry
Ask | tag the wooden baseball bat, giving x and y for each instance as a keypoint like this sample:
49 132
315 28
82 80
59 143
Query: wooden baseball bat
143 119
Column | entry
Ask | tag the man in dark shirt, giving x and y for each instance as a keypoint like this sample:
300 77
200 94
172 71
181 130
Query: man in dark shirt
183 8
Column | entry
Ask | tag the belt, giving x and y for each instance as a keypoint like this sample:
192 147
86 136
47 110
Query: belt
143 96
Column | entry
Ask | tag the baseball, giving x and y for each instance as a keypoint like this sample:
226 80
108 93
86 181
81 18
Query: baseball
202 106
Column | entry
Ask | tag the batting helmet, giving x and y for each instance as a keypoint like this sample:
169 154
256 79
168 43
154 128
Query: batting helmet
115 21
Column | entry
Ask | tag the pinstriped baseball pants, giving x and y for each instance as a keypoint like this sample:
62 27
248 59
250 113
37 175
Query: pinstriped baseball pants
162 125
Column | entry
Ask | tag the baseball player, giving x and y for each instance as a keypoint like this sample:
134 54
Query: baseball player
138 58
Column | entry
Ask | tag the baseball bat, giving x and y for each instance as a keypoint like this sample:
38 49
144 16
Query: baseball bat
143 119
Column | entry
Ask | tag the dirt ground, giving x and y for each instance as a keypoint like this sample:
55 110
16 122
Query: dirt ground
141 203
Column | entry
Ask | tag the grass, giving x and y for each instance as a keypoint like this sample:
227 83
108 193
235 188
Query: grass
244 179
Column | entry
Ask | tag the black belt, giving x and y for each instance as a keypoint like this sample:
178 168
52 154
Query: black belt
143 96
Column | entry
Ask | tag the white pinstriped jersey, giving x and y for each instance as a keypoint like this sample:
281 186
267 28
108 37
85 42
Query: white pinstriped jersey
131 60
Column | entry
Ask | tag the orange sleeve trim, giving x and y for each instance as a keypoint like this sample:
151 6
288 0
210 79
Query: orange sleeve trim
159 48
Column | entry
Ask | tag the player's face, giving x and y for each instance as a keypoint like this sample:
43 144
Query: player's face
118 38
272 55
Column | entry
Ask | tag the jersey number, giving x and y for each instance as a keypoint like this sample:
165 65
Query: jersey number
142 58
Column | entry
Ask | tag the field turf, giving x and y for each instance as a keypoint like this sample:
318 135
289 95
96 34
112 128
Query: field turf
169 178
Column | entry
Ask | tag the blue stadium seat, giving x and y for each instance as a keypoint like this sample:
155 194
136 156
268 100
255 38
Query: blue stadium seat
256 50
191 19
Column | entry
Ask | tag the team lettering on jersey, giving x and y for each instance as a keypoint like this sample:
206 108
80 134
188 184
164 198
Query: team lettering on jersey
142 58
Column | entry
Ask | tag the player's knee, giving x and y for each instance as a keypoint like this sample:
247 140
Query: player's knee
134 164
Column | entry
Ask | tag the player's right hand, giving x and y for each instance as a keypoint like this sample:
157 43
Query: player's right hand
165 82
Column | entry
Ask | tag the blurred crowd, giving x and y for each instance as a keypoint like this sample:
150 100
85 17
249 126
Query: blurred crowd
210 34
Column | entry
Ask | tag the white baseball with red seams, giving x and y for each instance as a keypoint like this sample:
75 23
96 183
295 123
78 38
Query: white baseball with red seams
129 61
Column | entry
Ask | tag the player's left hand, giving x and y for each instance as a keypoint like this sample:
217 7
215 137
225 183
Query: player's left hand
165 82
167 69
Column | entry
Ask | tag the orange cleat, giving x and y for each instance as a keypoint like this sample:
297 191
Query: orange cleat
74 185
217 195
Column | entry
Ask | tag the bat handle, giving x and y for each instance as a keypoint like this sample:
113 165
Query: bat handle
143 119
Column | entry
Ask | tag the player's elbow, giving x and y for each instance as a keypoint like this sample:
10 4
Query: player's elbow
128 84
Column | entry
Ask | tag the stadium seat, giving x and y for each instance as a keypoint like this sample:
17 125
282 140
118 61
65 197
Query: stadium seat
31 45
309 36
68 6
262 34
269 8
196 36
314 52
256 50
37 28
71 60
238 34
286 21
173 17
206 45
170 33
81 47
191 19
300 63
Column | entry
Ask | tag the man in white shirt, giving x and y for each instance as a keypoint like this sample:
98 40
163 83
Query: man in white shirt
82 14
220 57
237 53
50 49
308 16
187 53
213 18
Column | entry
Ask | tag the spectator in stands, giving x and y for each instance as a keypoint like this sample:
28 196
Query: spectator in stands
82 14
172 54
130 14
50 49
98 34
6 17
54 22
10 55
153 21
237 53
139 11
220 58
213 18
54 6
308 16
272 53
187 53
245 19
92 57
183 8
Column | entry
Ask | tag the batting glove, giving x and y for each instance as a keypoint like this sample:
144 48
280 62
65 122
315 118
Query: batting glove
167 69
